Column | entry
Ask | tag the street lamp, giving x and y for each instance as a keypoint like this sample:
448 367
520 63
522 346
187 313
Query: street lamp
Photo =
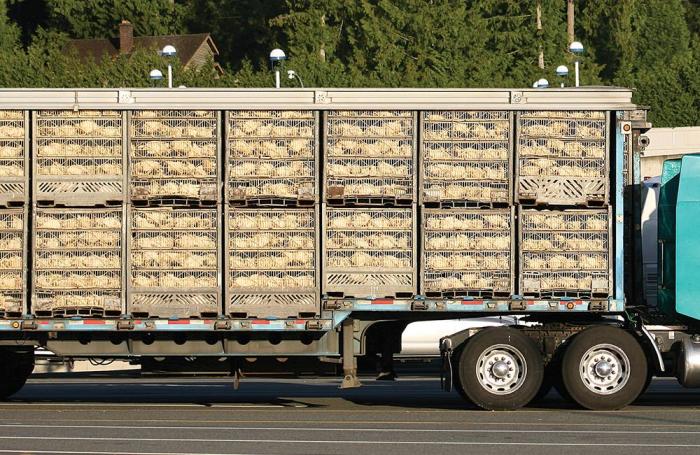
562 71
541 83
169 51
576 48
155 75
291 74
277 56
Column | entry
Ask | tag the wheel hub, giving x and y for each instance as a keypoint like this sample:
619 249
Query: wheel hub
604 369
501 369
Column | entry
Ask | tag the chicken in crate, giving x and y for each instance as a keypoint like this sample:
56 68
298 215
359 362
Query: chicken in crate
13 158
369 253
562 158
174 158
370 158
467 253
565 253
272 158
13 237
78 262
465 157
272 263
78 158
174 256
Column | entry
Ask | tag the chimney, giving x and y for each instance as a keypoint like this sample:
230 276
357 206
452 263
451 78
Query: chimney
126 37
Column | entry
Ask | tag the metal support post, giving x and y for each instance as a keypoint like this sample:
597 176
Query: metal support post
350 379
170 76
576 71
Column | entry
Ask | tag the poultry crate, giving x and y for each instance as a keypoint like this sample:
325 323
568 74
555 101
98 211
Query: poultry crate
173 158
369 158
565 253
77 266
13 260
369 252
562 158
272 158
467 253
78 158
14 160
272 262
465 158
173 261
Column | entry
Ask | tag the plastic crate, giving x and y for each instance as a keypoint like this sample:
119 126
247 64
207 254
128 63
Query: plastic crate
467 253
14 159
173 261
13 260
370 158
78 265
272 158
173 158
565 253
369 252
466 159
563 158
272 262
78 158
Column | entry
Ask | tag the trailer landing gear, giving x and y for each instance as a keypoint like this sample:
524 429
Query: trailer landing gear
15 368
350 379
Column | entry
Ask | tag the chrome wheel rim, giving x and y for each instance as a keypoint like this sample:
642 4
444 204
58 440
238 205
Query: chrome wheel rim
604 369
501 369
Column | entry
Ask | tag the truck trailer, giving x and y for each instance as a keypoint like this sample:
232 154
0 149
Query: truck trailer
254 230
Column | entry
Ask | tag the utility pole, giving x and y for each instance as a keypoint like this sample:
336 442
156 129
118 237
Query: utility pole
540 60
570 20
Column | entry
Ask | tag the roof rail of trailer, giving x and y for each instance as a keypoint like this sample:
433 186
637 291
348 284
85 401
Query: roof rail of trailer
584 98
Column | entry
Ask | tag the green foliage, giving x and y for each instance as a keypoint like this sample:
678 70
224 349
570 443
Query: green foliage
100 18
650 45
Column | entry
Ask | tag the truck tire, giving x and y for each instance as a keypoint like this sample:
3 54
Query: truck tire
500 369
15 368
604 368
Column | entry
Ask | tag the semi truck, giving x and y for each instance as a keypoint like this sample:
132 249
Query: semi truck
255 230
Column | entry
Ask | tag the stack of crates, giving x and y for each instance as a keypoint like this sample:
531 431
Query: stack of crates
174 214
78 216
272 236
467 216
370 252
14 194
564 210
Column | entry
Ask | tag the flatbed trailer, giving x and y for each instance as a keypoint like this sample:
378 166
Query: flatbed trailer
567 159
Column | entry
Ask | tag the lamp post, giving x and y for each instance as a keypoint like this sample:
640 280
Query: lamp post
155 75
277 56
541 83
169 51
562 71
576 48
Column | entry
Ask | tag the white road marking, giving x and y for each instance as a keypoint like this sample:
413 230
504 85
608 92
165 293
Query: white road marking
351 442
345 429
164 405
92 452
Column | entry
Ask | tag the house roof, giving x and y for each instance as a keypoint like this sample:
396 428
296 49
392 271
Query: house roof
186 45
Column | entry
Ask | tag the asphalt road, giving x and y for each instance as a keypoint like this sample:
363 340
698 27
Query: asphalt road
311 416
